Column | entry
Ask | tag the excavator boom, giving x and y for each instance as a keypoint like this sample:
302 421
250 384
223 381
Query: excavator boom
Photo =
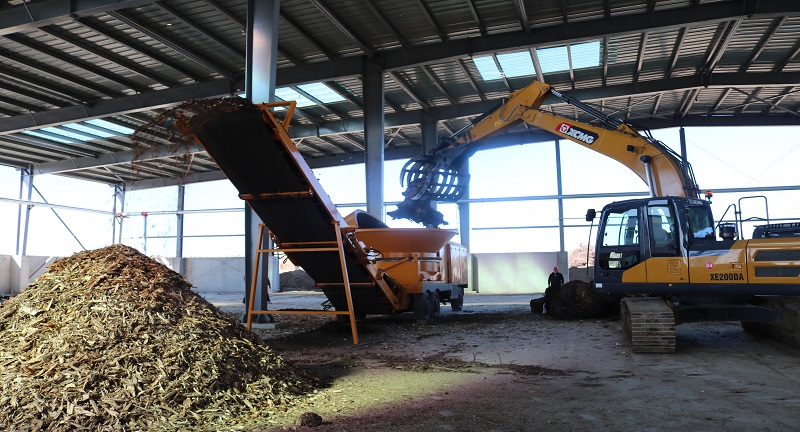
438 177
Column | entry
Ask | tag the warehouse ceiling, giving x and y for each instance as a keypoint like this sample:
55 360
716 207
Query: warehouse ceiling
77 77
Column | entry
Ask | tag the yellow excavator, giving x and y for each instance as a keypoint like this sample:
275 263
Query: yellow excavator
661 252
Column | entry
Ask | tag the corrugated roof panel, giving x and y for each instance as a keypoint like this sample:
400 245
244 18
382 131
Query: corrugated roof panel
63 42
162 22
624 50
106 44
365 25
741 47
658 53
409 20
453 17
297 45
695 49
501 17
779 47
308 16
144 42
37 57
423 86
455 82
394 93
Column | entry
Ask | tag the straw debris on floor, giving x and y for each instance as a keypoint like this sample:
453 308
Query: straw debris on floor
110 339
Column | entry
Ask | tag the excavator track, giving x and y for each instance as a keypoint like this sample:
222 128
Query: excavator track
648 324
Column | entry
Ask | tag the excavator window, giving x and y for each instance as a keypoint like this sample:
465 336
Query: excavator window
662 231
621 235
701 222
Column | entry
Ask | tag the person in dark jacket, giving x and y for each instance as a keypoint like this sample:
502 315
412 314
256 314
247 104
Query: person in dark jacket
554 282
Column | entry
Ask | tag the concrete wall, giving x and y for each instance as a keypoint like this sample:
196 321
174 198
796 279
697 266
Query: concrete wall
215 275
515 273
16 275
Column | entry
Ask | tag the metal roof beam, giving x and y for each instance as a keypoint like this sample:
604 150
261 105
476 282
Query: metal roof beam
640 56
103 108
519 5
572 33
644 88
58 73
147 53
676 52
408 90
200 29
164 98
476 17
242 23
386 23
440 85
111 57
762 44
28 80
33 15
88 67
116 158
309 37
721 45
175 46
429 16
471 80
343 28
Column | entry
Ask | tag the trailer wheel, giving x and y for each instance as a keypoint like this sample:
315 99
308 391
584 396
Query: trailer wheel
457 301
436 304
423 307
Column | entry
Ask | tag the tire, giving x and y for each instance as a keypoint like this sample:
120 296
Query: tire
436 304
457 301
423 307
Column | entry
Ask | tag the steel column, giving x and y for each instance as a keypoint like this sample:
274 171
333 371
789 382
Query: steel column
463 211
560 199
261 68
373 135
118 216
23 216
179 229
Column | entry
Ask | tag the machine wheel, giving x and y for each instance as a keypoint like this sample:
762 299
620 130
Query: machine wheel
436 304
423 307
457 302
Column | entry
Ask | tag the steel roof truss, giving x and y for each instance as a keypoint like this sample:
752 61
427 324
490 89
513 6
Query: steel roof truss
175 46
147 53
407 89
342 27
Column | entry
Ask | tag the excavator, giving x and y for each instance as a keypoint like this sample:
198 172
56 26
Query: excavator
661 253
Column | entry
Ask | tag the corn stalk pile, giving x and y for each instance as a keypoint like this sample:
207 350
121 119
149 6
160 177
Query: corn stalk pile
110 339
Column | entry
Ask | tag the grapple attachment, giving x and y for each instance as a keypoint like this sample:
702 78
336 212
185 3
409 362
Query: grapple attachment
426 179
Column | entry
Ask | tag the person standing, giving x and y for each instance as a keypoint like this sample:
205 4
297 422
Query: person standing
554 282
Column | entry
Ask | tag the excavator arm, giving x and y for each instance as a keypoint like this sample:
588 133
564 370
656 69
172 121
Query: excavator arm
437 177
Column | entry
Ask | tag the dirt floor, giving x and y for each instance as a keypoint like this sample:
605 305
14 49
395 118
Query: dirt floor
497 367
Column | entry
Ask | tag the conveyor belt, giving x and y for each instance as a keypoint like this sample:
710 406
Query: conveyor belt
268 171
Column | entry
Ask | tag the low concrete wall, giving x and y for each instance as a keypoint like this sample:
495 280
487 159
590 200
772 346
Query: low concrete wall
17 274
515 273
215 275
507 273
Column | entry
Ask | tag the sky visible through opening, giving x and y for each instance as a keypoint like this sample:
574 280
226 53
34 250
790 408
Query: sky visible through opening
742 157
